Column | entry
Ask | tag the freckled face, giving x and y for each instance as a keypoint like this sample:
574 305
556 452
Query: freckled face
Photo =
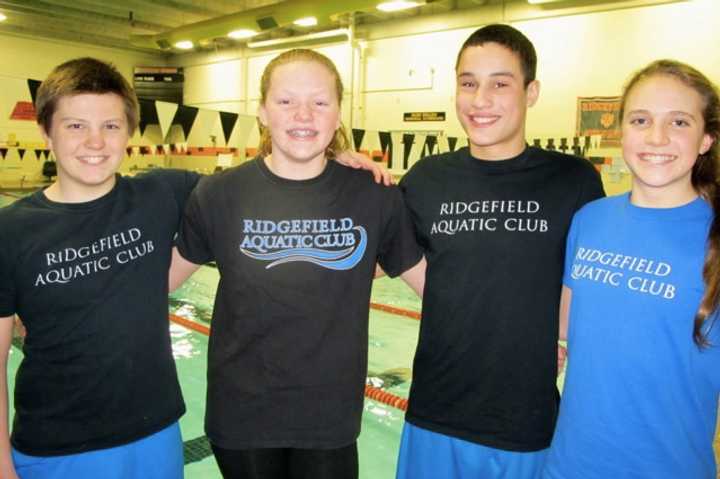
663 134
301 111
492 100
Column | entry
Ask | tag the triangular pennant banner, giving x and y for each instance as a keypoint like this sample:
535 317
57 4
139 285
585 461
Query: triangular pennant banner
386 146
3 152
33 86
185 117
228 120
429 146
358 136
408 139
148 115
39 154
21 152
165 113
129 150
452 141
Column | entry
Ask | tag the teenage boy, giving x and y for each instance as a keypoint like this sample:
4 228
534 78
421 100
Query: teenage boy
84 263
492 219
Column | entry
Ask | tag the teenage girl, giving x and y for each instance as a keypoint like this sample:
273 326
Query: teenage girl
642 278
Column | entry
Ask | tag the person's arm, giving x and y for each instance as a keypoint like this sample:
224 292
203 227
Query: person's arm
415 277
357 160
7 469
180 270
565 298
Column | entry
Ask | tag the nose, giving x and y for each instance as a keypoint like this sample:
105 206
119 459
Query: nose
304 112
95 139
657 134
481 98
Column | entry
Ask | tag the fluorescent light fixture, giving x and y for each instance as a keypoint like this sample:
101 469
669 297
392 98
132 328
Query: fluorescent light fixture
538 2
242 33
300 38
2 17
306 22
396 6
184 45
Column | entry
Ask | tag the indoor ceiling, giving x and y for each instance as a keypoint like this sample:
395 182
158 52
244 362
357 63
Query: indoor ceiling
156 25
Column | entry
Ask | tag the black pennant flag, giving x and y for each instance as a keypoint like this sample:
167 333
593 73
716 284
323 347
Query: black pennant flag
452 141
386 145
40 154
408 140
429 146
21 152
33 86
228 120
3 152
358 136
148 115
128 150
185 117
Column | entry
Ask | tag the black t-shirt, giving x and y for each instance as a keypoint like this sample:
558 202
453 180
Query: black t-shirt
89 281
288 349
494 238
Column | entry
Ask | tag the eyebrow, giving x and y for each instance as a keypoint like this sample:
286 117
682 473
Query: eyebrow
671 112
494 74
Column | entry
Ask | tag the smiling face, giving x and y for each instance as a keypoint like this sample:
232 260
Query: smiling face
302 112
88 135
492 101
663 134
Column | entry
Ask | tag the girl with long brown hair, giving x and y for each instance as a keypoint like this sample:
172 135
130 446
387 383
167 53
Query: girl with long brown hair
641 287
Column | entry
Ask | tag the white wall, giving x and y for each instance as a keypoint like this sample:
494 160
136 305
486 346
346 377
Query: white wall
579 55
22 58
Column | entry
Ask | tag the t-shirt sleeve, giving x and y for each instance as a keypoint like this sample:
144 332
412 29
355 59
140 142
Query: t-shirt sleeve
570 250
181 182
398 249
193 236
7 284
591 188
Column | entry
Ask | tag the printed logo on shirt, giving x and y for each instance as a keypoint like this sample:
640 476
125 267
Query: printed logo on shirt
489 215
331 243
640 275
68 264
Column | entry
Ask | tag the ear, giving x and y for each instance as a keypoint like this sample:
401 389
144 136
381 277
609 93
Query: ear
262 115
532 92
706 143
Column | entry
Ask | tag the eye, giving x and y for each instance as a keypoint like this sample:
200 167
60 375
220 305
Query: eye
681 122
112 126
283 101
468 84
638 121
74 126
321 103
500 84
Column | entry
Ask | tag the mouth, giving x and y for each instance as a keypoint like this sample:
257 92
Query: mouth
482 121
92 160
656 158
302 133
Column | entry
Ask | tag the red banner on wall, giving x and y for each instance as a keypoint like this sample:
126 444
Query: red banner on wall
24 110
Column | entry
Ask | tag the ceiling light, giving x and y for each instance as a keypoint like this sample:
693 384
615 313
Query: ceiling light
2 17
184 45
396 6
242 33
538 2
306 22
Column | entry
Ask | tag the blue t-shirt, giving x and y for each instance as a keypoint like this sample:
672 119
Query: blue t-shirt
640 398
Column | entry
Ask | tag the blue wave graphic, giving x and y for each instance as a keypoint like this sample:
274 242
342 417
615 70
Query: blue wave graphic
335 260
